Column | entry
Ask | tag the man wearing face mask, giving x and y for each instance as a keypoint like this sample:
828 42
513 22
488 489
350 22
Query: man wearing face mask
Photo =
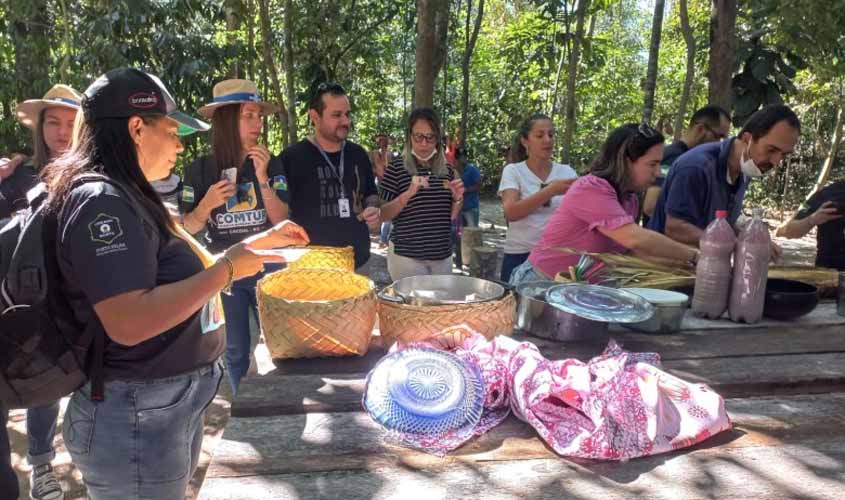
714 176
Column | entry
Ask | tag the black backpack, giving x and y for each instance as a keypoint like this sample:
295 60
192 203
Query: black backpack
45 354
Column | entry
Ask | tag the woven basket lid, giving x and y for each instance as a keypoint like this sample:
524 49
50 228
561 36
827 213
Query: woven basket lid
424 391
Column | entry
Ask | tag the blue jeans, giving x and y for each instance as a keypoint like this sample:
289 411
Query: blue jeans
471 216
526 272
144 439
40 429
510 261
237 306
384 233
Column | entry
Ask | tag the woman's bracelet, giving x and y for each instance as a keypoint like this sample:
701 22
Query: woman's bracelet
231 265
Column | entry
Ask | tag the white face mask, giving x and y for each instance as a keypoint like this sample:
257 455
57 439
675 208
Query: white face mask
749 168
420 158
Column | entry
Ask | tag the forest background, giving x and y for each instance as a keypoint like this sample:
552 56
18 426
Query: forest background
483 64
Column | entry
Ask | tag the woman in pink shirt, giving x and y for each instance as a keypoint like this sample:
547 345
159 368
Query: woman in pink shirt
597 214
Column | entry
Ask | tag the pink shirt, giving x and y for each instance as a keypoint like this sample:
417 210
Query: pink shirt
590 203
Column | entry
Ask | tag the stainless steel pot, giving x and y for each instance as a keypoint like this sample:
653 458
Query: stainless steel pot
441 290
536 317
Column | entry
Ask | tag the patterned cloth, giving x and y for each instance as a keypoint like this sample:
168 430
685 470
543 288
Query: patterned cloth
617 406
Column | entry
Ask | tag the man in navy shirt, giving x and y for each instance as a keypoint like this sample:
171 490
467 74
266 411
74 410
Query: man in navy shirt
715 176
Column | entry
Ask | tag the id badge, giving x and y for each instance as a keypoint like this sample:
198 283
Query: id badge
343 207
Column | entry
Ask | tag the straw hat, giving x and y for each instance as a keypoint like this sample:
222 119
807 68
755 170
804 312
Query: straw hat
424 391
60 95
236 92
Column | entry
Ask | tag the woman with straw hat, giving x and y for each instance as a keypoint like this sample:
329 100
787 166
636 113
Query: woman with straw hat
51 121
124 263
237 191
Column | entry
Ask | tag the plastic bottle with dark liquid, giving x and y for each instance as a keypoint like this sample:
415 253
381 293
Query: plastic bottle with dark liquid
713 272
751 271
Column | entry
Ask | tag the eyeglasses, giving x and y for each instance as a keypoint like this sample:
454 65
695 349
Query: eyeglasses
418 137
647 131
718 135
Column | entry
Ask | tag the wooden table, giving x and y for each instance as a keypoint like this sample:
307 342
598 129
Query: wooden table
300 433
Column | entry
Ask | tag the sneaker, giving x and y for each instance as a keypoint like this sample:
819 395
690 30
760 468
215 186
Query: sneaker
43 484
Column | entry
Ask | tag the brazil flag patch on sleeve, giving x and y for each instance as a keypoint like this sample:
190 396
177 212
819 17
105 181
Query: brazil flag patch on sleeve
187 194
280 183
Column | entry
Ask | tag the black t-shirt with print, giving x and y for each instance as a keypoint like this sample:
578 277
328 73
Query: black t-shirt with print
830 237
314 192
107 249
423 229
243 214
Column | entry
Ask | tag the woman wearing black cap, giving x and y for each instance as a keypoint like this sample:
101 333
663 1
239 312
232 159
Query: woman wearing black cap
237 191
125 264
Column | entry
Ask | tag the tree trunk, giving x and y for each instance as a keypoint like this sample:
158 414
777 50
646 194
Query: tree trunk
835 142
653 53
432 28
250 41
469 48
563 53
722 48
264 13
574 54
289 73
689 39
32 52
233 10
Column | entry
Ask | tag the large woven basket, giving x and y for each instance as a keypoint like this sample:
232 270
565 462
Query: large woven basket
309 313
318 257
411 323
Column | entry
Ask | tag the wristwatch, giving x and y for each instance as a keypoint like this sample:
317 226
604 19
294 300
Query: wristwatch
265 185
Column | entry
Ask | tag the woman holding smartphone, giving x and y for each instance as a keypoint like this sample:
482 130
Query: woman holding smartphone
237 191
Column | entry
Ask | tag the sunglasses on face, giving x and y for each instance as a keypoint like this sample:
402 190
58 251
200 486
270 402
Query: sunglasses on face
334 88
718 135
418 137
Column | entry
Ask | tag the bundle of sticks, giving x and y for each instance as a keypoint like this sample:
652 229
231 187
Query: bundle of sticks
619 270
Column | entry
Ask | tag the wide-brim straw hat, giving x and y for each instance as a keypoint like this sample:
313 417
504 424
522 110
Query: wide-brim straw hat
424 391
59 96
236 92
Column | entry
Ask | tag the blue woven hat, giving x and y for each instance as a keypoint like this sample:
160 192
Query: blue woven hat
424 391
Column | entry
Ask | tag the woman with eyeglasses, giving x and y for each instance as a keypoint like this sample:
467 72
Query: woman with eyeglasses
597 214
531 188
422 196
237 191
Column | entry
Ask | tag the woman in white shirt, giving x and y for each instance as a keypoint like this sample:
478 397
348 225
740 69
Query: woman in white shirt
531 189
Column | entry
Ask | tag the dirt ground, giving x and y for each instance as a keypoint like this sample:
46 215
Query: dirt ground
796 252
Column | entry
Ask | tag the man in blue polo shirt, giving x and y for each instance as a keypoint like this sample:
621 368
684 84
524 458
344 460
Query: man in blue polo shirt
714 176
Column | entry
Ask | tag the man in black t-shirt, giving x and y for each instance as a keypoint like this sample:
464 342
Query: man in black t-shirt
825 209
708 124
330 180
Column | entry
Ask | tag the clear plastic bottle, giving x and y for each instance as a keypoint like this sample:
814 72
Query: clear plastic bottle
751 270
713 272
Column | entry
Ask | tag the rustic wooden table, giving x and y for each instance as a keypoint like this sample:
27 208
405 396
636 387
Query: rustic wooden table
300 432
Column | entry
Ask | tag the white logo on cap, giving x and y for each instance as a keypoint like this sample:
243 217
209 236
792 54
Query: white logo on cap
143 100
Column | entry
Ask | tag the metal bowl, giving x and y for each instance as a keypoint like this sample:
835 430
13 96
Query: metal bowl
432 290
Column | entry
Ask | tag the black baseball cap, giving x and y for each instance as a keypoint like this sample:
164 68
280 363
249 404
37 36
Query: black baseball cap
126 92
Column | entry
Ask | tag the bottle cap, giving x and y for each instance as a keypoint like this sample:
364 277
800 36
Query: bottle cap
722 214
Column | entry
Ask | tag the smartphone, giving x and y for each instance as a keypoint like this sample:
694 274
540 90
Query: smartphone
230 174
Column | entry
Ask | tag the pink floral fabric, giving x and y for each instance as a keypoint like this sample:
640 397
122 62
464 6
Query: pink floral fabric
617 406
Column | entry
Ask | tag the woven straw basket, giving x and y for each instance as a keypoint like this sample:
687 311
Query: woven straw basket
309 313
411 323
342 258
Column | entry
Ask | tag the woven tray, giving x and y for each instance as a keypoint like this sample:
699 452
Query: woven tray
411 323
320 257
316 312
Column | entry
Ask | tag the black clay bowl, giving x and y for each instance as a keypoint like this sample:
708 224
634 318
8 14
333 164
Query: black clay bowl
789 299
